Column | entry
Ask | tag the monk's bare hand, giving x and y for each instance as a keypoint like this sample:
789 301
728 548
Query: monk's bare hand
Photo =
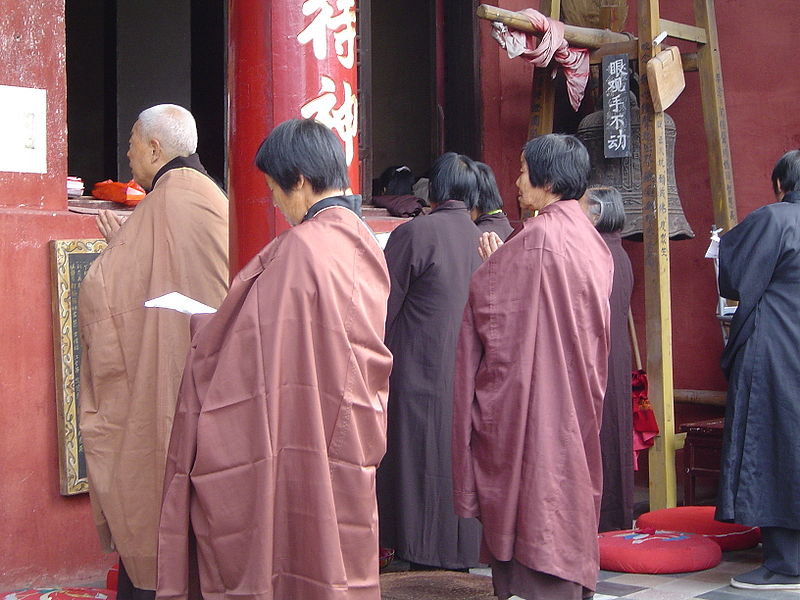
108 223
489 244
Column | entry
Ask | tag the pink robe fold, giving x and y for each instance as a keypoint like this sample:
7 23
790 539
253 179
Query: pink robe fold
530 378
280 425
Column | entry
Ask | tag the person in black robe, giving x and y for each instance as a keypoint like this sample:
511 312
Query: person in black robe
431 260
488 212
394 192
605 209
759 265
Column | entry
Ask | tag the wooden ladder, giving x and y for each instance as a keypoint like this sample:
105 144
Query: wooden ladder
653 155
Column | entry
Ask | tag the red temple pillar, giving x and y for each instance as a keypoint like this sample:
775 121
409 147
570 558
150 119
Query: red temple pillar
287 59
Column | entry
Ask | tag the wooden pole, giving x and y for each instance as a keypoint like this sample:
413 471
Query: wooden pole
582 37
656 266
710 397
622 43
715 118
543 92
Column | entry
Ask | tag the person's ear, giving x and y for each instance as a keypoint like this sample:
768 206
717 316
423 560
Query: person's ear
303 185
779 193
155 151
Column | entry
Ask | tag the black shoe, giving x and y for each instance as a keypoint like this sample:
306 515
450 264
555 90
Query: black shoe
764 579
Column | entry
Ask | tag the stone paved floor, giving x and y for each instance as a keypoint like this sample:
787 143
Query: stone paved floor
712 584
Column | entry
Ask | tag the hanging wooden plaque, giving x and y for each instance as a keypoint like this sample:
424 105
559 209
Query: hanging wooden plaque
616 107
70 261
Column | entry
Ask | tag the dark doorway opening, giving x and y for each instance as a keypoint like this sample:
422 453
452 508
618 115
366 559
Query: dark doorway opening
419 84
123 57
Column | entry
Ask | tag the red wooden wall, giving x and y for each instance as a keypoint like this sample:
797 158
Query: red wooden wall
44 537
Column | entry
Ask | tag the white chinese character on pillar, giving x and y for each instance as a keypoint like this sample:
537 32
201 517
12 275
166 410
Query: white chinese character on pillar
342 120
316 32
344 36
342 24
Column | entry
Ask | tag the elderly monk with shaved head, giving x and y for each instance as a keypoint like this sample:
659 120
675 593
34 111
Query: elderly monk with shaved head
175 240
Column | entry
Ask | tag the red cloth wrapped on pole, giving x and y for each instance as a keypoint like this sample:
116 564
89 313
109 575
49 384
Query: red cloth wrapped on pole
645 426
574 61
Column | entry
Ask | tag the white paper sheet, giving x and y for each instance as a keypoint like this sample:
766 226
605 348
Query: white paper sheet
23 123
181 303
383 239
713 247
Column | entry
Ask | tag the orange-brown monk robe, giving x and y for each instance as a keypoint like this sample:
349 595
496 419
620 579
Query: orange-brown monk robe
280 425
175 240
530 378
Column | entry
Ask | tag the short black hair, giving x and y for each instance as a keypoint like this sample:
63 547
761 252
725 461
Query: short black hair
787 171
304 147
489 198
397 180
560 162
611 209
454 177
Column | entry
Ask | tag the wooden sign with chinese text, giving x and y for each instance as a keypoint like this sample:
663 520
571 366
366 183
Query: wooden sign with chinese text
616 107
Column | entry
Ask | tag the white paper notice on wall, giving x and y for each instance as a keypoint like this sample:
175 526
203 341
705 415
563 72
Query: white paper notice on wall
23 123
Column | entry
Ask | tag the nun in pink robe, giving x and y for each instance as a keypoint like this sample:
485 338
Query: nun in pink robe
530 377
281 420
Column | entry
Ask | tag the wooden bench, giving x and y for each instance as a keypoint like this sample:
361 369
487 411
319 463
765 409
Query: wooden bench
702 454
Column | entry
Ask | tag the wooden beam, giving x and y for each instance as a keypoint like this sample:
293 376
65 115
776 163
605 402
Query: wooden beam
656 267
631 48
683 32
613 14
550 8
708 397
689 59
543 91
542 103
715 118
580 37
626 44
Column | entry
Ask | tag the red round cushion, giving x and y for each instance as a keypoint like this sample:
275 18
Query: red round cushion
700 519
650 551
61 594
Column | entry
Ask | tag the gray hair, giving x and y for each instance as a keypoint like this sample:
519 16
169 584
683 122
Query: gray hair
606 208
173 126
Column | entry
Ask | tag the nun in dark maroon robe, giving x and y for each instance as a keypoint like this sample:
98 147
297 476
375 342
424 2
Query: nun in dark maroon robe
488 212
605 209
430 262
530 378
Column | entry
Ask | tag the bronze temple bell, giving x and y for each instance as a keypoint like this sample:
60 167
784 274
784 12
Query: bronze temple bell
625 174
